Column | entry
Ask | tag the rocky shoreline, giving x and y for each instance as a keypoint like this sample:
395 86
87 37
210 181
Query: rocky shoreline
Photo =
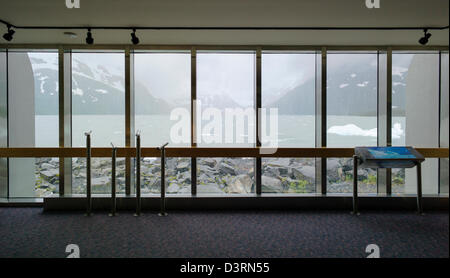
214 176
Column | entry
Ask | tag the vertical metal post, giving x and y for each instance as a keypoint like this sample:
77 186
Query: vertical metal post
163 180
138 174
355 185
419 188
258 124
88 174
384 112
113 181
65 118
321 119
193 119
129 119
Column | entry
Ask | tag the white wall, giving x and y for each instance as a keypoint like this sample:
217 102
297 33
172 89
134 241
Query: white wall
21 123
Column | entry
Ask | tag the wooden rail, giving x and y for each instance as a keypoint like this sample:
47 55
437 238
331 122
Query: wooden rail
201 152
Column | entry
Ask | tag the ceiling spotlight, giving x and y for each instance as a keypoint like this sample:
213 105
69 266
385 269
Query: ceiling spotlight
89 38
424 40
9 35
134 38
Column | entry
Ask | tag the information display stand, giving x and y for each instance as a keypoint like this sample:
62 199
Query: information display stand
387 157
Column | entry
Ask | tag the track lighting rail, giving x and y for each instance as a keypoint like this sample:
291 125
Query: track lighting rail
263 28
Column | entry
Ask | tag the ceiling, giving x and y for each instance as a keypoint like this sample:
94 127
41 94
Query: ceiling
348 13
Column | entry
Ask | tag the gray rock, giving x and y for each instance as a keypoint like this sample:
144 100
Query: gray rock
185 190
271 171
155 169
183 166
332 164
241 184
47 166
270 184
208 162
101 185
48 175
155 183
209 188
226 169
279 162
173 188
309 171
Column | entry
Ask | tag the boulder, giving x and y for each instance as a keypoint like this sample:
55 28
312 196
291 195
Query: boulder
173 188
270 184
48 175
208 162
209 188
184 190
241 184
304 173
155 169
101 185
226 169
183 166
47 166
332 164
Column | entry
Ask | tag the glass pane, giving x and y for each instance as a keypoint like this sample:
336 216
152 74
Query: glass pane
351 116
3 126
98 105
444 162
33 121
226 118
163 114
163 98
288 84
415 115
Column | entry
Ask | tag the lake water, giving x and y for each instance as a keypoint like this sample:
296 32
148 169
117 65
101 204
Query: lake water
293 130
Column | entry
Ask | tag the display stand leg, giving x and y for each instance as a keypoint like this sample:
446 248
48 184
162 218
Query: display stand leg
419 189
355 185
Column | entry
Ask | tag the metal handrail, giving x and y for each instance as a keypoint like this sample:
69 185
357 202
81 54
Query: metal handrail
200 152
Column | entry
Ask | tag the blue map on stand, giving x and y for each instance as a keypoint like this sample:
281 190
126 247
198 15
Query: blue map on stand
390 153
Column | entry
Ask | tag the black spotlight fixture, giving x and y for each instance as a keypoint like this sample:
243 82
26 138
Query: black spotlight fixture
134 38
89 38
426 37
9 35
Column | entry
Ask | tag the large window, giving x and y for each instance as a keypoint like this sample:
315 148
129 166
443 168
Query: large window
351 116
415 115
224 100
163 114
3 125
98 105
226 118
288 85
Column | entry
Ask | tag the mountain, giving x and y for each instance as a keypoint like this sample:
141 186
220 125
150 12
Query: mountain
351 90
95 90
219 101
